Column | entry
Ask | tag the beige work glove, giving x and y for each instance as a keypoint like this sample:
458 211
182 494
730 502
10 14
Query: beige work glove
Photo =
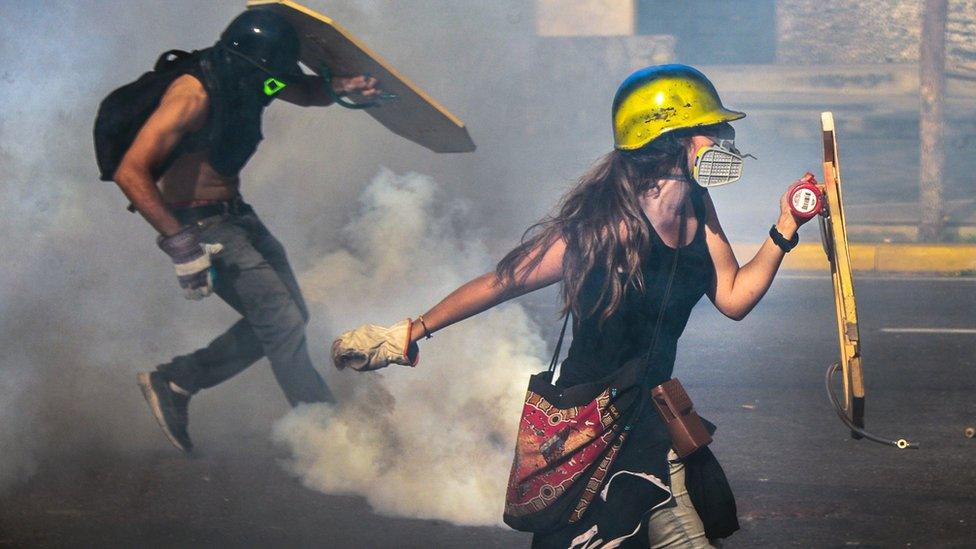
371 347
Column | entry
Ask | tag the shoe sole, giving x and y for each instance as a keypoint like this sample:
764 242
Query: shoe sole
146 386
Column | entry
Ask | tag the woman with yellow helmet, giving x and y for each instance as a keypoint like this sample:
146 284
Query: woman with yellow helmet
636 244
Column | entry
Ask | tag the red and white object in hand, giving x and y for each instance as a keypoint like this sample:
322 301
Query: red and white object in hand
805 197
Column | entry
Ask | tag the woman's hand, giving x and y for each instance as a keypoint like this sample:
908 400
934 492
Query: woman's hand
788 223
371 347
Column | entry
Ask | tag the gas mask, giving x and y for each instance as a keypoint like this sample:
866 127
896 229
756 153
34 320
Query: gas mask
720 163
252 78
239 93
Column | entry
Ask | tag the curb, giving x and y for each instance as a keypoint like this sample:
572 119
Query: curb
893 258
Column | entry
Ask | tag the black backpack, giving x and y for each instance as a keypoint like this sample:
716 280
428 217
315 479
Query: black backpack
123 112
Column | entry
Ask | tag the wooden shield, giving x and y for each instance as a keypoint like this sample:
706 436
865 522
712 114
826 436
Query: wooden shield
412 114
834 232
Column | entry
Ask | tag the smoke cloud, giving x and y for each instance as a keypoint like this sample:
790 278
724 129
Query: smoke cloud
435 441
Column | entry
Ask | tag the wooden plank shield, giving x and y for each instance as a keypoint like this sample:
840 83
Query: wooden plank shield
412 114
834 232
833 229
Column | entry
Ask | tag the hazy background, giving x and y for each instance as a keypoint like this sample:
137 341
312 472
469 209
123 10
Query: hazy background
377 228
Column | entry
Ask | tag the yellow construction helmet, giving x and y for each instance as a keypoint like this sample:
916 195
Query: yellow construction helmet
659 99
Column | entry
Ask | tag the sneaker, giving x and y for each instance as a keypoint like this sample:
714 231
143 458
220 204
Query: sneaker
168 407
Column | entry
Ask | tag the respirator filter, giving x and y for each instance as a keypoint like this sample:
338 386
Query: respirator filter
719 164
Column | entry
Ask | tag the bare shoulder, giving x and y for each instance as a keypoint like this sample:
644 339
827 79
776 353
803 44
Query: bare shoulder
187 101
707 202
711 216
186 86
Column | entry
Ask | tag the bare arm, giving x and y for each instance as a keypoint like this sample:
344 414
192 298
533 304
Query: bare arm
486 291
736 290
182 109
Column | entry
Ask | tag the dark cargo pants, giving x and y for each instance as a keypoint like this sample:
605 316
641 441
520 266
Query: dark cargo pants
253 276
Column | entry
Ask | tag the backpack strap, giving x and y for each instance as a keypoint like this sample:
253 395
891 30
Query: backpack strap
165 62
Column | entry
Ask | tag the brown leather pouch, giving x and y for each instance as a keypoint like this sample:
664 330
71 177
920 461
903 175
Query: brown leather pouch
688 433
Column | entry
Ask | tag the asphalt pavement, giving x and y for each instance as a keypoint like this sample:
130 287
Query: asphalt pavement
799 478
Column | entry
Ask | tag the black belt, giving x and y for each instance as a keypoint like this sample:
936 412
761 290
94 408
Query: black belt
234 206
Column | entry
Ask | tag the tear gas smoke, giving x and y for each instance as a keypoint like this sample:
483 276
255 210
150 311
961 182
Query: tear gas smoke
430 442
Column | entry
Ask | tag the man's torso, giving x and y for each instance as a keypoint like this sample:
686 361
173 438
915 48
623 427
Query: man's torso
190 177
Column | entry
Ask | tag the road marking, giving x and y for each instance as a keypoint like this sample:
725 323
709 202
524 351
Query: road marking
929 330
905 278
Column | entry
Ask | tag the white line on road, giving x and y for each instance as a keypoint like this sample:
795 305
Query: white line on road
929 330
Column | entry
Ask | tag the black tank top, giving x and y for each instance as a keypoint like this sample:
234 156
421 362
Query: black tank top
597 351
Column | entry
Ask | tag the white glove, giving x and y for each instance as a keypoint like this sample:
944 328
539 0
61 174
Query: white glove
371 347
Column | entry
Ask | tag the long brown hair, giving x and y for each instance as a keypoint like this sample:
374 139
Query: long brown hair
601 221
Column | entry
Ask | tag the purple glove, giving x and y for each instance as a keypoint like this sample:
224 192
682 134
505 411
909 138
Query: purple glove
192 261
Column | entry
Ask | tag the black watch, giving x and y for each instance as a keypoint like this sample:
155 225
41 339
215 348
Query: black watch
785 245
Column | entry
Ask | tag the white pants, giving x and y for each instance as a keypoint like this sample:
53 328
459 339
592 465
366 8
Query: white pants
677 527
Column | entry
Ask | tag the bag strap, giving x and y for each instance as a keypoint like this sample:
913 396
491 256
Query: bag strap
559 344
657 328
660 316
667 294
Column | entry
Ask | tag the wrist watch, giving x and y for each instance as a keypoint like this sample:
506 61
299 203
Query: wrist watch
783 243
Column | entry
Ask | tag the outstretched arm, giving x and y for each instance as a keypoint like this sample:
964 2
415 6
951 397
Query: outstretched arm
371 347
487 290
736 290
310 90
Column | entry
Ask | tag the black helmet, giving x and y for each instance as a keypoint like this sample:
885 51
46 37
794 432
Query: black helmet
266 40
